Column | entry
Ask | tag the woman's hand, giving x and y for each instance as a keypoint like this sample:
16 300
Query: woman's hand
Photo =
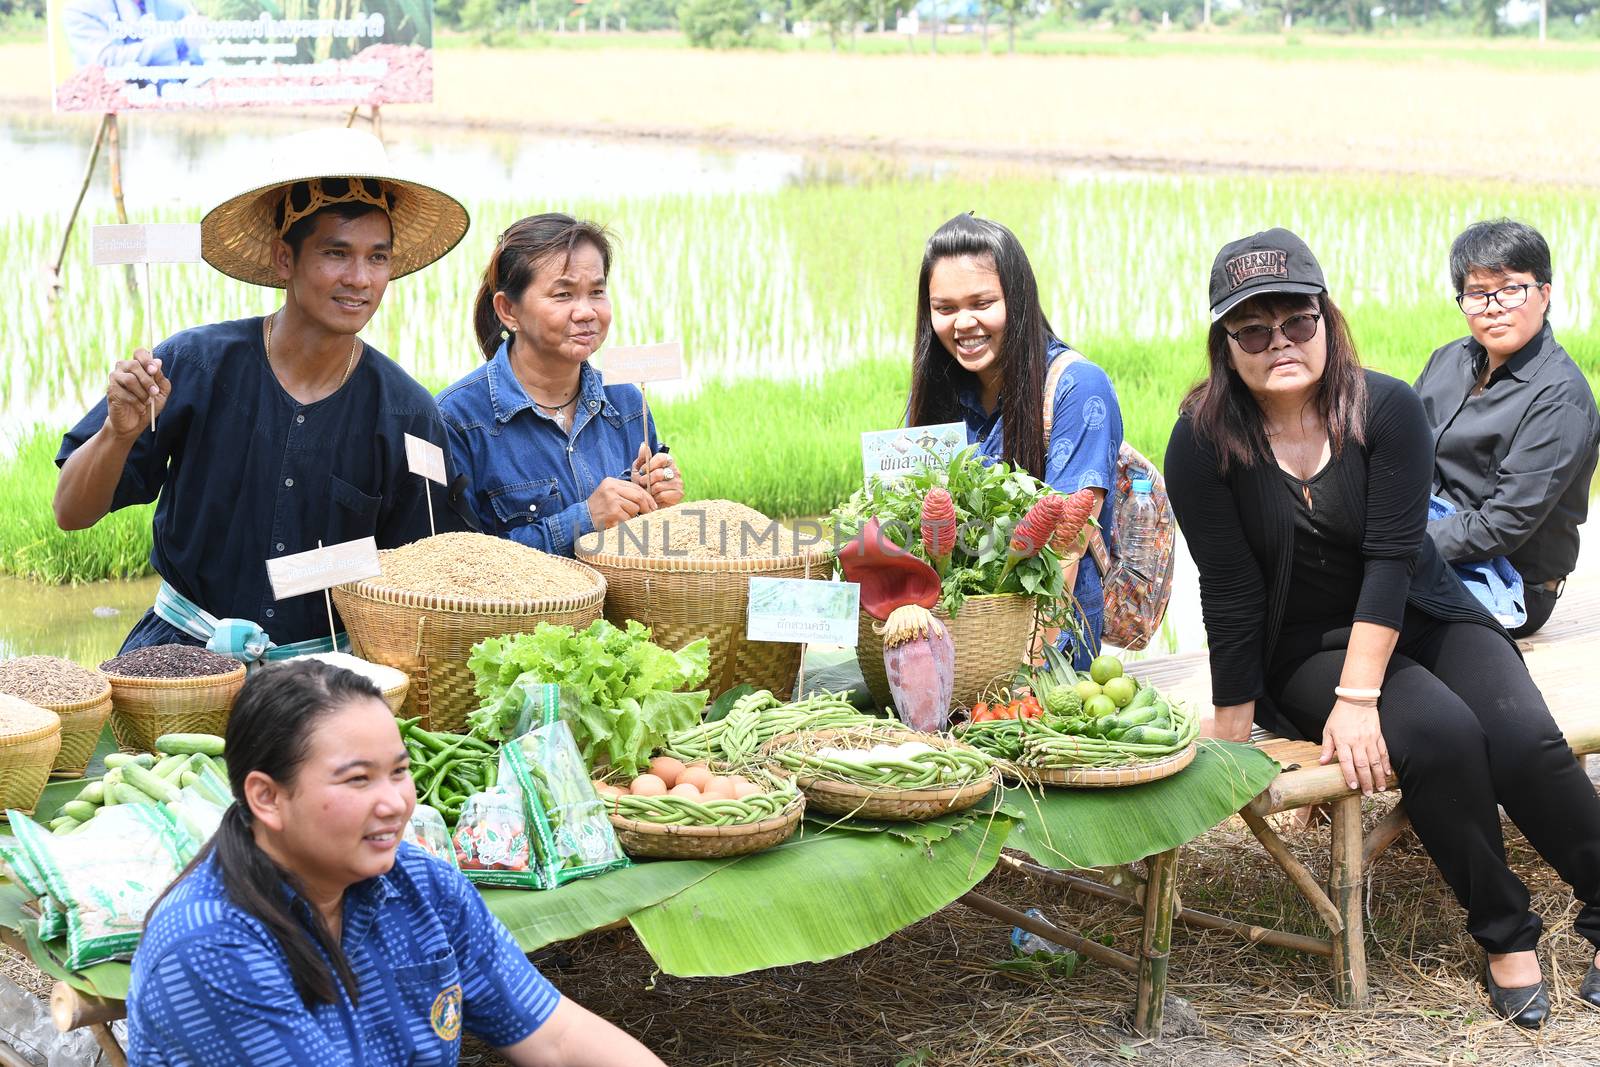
1354 737
1230 723
658 475
617 501
135 384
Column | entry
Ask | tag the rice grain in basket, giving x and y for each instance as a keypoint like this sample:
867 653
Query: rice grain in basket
702 529
47 680
476 566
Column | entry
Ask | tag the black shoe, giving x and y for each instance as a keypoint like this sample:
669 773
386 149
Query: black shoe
1528 1006
1590 990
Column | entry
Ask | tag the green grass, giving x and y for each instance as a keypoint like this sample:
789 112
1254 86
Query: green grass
795 310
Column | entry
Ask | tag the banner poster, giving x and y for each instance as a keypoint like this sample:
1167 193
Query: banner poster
182 55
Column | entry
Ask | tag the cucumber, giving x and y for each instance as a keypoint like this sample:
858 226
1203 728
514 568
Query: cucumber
127 759
187 744
129 794
1150 735
64 826
93 793
169 766
79 810
55 823
147 782
188 778
1146 695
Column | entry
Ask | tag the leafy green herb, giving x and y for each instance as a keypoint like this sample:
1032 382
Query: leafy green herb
621 693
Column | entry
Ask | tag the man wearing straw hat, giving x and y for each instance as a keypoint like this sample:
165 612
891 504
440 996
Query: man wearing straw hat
272 434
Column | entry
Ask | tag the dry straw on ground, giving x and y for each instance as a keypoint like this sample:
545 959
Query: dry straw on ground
930 991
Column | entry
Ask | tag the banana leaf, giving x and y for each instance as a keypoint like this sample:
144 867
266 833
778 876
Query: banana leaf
1082 828
814 898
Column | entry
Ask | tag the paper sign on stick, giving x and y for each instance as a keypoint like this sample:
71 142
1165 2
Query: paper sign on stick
889 455
323 568
425 458
637 364
801 611
160 242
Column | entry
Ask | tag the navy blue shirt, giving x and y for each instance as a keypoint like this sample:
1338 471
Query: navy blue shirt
528 479
1085 436
242 472
211 986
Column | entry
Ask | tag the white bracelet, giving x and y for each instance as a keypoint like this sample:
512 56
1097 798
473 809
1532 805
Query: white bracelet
1344 693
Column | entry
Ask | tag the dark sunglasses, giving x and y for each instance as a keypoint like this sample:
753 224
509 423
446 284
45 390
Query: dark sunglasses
1297 329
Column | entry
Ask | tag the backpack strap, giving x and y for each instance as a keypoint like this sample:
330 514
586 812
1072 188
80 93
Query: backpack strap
1097 545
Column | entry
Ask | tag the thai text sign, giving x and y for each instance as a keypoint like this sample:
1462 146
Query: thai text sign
172 55
889 455
323 568
637 364
799 611
155 242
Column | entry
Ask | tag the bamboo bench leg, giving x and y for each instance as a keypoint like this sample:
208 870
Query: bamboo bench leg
1344 887
1159 899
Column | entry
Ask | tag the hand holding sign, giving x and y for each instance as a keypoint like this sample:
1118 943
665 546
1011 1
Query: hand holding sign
146 244
638 365
136 384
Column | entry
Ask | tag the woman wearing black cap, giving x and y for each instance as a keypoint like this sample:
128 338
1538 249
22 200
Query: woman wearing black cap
1341 621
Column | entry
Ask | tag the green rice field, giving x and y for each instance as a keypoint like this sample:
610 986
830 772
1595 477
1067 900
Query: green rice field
795 310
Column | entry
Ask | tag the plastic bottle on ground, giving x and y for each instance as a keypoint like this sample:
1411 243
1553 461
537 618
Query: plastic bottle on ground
1029 943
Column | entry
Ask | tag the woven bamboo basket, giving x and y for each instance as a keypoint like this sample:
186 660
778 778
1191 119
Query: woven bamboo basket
30 739
992 636
81 723
682 599
1109 777
142 709
878 802
429 637
395 696
656 841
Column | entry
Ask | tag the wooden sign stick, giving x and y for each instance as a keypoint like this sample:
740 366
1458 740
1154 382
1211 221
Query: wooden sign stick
327 599
150 328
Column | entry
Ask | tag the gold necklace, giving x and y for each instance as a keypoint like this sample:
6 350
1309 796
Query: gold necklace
349 364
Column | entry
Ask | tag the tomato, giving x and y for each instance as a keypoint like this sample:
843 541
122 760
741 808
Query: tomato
979 712
1031 709
1009 711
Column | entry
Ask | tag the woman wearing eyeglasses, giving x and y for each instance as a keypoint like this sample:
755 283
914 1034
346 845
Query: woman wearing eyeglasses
1301 483
1514 422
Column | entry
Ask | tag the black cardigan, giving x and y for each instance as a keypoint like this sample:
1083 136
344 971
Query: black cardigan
1243 594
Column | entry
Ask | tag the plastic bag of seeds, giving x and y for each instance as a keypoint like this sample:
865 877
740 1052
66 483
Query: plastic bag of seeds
570 832
107 875
426 830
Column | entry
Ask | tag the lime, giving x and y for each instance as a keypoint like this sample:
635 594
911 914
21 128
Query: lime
1105 668
1087 690
1121 690
1099 707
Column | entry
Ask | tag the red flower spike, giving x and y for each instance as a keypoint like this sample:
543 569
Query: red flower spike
1079 506
890 577
1034 531
939 528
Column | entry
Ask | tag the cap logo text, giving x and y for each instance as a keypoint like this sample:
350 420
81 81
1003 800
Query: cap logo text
1271 262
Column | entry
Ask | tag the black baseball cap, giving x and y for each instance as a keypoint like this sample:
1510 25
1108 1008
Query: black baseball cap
1272 261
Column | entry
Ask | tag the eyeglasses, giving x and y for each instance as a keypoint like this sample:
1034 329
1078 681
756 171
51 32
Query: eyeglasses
1297 329
1508 297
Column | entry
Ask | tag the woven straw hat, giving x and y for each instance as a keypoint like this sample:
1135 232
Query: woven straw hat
237 235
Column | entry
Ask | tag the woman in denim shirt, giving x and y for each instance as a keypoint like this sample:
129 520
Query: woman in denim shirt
549 450
983 351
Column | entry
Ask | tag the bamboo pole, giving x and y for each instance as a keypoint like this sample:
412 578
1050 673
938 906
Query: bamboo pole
1255 935
1344 885
77 205
1160 896
114 150
1051 932
70 1009
1302 878
1386 833
107 1041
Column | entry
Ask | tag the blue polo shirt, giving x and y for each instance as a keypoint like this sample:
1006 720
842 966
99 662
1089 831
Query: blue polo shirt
210 986
528 479
241 472
1085 437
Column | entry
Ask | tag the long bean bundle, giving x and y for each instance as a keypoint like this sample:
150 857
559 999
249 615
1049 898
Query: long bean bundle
887 757
756 719
1046 747
684 811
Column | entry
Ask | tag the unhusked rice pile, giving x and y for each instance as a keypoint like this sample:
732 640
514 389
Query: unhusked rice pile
477 567
49 680
703 529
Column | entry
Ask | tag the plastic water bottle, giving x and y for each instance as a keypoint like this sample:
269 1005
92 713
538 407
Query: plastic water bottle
1136 545
1028 943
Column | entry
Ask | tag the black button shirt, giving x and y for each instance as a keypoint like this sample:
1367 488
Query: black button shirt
242 472
1516 459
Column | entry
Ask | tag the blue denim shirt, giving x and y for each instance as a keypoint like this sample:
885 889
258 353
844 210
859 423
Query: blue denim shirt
527 479
1085 436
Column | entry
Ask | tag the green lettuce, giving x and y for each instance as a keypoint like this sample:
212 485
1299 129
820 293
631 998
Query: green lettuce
620 693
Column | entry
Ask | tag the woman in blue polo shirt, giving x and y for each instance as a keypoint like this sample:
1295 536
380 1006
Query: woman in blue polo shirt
549 450
307 933
983 352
